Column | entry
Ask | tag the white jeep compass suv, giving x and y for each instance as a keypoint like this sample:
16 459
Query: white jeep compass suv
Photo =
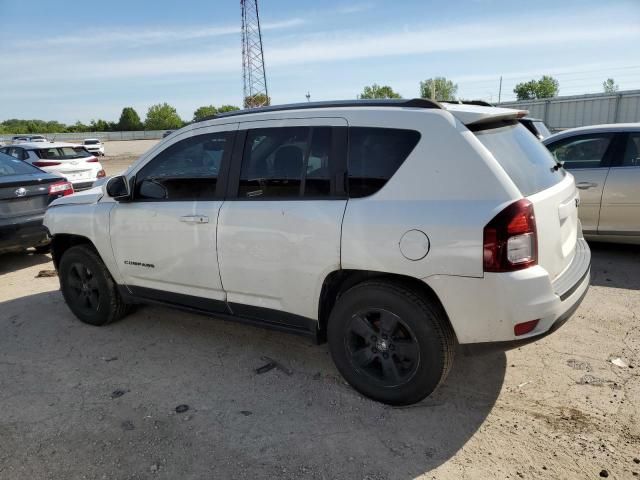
393 229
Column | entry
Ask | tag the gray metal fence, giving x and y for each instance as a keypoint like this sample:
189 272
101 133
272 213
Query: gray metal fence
103 136
560 113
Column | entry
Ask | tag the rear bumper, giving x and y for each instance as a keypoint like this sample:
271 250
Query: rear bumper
22 232
483 310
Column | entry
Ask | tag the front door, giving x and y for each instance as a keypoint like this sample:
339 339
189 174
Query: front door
620 213
587 158
164 240
279 230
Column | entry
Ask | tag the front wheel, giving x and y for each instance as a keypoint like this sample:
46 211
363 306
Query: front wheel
390 343
88 288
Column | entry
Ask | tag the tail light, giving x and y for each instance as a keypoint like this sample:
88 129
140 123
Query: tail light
510 239
61 188
42 163
101 174
93 160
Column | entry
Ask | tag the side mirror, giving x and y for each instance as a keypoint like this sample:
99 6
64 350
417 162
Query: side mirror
118 188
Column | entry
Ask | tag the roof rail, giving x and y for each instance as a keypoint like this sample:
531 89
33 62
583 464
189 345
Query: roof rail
406 103
480 103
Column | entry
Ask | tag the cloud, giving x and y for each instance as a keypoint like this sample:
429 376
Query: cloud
149 36
355 8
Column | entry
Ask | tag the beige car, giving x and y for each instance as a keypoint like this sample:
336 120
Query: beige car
605 161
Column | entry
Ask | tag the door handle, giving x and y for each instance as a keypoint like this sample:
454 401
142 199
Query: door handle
194 219
586 185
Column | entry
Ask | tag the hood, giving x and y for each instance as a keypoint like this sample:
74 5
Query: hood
92 195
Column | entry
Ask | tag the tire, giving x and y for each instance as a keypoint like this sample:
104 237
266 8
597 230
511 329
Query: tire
88 288
390 343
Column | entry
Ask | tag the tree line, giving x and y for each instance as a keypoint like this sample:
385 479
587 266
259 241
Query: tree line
163 116
443 89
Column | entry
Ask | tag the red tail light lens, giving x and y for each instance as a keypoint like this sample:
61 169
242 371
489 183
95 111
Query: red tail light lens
93 160
101 174
525 327
61 189
42 163
510 239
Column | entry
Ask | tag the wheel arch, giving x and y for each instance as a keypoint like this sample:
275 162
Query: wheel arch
62 242
339 281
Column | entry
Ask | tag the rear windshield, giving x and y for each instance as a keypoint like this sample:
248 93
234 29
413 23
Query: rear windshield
63 153
91 142
525 159
542 128
11 166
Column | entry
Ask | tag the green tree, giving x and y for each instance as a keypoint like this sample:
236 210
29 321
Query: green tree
257 100
162 116
102 126
610 86
438 88
204 112
129 120
227 108
546 87
377 91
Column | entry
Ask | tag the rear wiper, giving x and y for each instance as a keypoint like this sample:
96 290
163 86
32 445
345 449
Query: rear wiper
557 166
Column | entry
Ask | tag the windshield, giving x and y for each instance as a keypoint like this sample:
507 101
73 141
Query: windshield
11 166
63 153
526 160
542 129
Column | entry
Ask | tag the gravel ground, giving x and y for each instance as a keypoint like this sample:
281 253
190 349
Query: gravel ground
100 403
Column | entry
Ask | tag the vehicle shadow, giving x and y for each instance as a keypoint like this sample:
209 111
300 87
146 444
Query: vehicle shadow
10 262
77 398
615 265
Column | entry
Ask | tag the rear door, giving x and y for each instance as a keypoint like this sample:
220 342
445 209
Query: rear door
620 212
279 229
587 157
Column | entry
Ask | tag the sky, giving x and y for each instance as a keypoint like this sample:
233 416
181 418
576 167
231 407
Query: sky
77 60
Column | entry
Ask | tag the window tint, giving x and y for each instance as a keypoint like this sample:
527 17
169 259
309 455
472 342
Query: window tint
584 151
286 163
521 155
375 154
632 151
187 170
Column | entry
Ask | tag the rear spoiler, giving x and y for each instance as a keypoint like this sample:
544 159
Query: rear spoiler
475 115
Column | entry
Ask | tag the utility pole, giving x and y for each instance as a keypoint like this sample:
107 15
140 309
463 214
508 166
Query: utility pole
433 89
308 95
254 75
500 91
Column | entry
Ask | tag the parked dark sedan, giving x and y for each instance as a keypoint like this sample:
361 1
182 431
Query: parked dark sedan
25 193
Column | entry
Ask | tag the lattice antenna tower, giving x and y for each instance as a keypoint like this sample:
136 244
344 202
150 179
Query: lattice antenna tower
254 75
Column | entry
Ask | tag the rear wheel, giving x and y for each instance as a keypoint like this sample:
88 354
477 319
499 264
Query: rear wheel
390 343
88 288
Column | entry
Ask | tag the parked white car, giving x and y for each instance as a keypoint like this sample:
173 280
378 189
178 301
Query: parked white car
93 145
394 229
71 161
28 138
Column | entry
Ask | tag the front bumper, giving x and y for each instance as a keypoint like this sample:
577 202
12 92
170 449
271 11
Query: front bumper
22 232
487 309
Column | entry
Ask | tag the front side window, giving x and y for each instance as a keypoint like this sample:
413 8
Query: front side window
584 151
375 154
288 162
632 151
187 170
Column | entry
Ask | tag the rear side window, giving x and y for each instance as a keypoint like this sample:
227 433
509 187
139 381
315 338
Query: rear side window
290 162
632 151
522 156
375 154
584 151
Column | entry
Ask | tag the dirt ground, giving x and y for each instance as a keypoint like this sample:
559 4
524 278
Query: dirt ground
100 403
